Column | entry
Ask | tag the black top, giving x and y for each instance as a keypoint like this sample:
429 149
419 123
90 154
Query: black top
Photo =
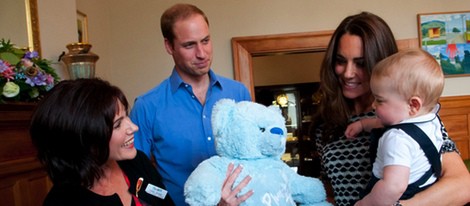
140 166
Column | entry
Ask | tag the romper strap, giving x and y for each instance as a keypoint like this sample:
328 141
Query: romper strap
426 145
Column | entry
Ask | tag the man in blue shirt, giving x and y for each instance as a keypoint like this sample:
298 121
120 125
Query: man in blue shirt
174 118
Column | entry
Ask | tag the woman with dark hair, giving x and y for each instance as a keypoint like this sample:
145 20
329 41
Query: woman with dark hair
357 45
85 140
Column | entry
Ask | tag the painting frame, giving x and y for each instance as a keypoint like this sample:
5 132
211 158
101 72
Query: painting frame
82 27
446 36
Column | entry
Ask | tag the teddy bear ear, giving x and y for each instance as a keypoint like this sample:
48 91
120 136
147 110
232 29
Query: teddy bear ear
275 108
221 112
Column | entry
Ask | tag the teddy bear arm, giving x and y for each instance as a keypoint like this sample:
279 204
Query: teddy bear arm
308 191
199 192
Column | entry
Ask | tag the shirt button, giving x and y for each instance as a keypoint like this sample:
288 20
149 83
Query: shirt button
203 116
209 138
192 96
186 85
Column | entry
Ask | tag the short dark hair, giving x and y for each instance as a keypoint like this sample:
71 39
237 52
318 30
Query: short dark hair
71 129
175 13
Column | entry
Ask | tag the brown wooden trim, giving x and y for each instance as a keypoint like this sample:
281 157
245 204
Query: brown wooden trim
245 48
455 101
15 115
19 166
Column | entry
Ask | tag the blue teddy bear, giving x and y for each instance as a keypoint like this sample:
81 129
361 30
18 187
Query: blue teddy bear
254 136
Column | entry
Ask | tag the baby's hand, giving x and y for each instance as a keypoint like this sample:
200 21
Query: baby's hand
353 129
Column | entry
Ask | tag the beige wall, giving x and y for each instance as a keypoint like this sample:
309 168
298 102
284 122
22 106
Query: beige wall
13 22
57 27
126 35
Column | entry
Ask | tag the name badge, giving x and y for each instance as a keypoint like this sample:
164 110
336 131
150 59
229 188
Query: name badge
156 191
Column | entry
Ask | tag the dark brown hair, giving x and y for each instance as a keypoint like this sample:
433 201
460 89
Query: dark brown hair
71 129
378 43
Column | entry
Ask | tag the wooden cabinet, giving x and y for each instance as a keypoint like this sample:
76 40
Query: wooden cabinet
297 103
455 113
23 181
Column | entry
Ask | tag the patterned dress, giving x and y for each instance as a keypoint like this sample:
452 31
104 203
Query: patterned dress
346 162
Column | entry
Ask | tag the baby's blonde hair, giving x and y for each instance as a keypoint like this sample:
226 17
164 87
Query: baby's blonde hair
411 73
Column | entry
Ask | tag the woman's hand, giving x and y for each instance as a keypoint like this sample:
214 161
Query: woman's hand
229 196
451 189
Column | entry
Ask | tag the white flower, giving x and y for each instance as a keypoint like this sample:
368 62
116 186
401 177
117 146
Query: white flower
10 89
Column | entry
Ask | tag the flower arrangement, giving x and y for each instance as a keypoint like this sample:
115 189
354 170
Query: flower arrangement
24 76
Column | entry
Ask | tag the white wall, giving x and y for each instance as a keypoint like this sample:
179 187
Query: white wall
126 34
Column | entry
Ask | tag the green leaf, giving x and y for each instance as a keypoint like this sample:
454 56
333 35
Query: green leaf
10 58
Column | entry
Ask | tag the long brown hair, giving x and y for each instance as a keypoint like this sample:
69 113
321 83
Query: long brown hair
378 43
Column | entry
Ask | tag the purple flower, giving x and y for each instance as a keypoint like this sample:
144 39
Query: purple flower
31 55
25 81
38 80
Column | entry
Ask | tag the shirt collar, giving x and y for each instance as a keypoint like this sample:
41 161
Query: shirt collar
425 118
176 81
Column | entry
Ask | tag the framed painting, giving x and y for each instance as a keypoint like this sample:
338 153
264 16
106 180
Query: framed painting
446 36
82 27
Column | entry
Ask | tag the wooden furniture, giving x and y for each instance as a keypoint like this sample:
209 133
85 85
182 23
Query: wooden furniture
23 181
455 113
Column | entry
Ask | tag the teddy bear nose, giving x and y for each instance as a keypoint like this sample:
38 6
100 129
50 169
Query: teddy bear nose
276 130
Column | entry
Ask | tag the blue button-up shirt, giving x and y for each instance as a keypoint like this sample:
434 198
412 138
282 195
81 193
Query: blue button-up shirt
176 128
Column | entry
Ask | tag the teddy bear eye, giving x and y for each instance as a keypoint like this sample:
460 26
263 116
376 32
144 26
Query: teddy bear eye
262 129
